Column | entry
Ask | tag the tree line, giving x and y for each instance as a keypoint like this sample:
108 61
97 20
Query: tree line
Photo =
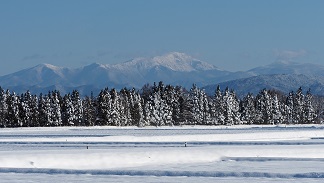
157 105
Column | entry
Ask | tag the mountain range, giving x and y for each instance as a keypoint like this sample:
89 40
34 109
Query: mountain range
172 68
285 76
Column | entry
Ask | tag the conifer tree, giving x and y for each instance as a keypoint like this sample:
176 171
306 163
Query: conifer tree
248 109
13 117
89 110
56 117
3 108
218 107
67 111
309 112
289 108
276 116
104 106
34 118
78 108
298 109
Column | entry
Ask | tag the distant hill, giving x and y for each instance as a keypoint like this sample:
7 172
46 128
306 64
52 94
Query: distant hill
280 82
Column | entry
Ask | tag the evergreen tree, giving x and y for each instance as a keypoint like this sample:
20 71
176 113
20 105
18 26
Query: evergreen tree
42 116
200 105
309 112
56 117
78 108
125 107
298 109
104 106
218 107
25 112
13 117
264 106
3 107
174 101
276 116
248 109
236 108
89 110
289 108
34 118
68 117
228 107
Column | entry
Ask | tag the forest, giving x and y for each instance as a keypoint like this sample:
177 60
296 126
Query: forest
158 105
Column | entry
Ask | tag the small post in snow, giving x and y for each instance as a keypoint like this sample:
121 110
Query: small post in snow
185 144
87 147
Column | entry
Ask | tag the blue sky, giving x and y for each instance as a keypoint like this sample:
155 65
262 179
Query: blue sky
231 34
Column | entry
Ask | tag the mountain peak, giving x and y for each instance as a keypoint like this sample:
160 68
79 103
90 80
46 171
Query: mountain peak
48 66
174 56
175 61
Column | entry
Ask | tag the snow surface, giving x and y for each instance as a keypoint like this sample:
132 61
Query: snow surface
131 154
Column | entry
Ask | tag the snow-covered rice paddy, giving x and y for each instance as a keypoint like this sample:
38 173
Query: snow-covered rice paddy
131 154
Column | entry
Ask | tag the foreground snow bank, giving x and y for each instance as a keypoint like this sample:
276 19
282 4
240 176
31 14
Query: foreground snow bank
316 175
105 159
109 152
157 156
259 135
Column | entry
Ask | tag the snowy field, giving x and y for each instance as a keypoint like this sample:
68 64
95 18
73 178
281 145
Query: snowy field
131 154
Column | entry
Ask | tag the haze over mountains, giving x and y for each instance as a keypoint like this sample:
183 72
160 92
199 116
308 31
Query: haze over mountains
172 68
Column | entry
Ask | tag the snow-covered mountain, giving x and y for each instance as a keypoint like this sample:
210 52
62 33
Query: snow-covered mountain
172 68
284 76
281 82
41 75
288 67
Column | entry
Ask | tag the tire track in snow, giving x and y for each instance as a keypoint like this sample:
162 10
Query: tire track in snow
163 173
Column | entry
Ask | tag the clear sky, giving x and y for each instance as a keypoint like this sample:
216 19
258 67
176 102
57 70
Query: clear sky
231 34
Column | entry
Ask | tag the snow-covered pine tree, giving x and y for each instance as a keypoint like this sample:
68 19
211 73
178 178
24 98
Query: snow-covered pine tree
248 109
34 111
236 108
289 108
137 113
104 106
3 108
298 109
147 112
42 117
228 107
218 107
174 94
264 106
125 107
78 108
25 109
276 116
56 116
67 111
89 110
231 106
309 112
167 96
115 118
200 105
171 96
156 109
13 111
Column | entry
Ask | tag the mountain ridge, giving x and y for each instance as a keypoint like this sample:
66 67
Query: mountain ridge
173 68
